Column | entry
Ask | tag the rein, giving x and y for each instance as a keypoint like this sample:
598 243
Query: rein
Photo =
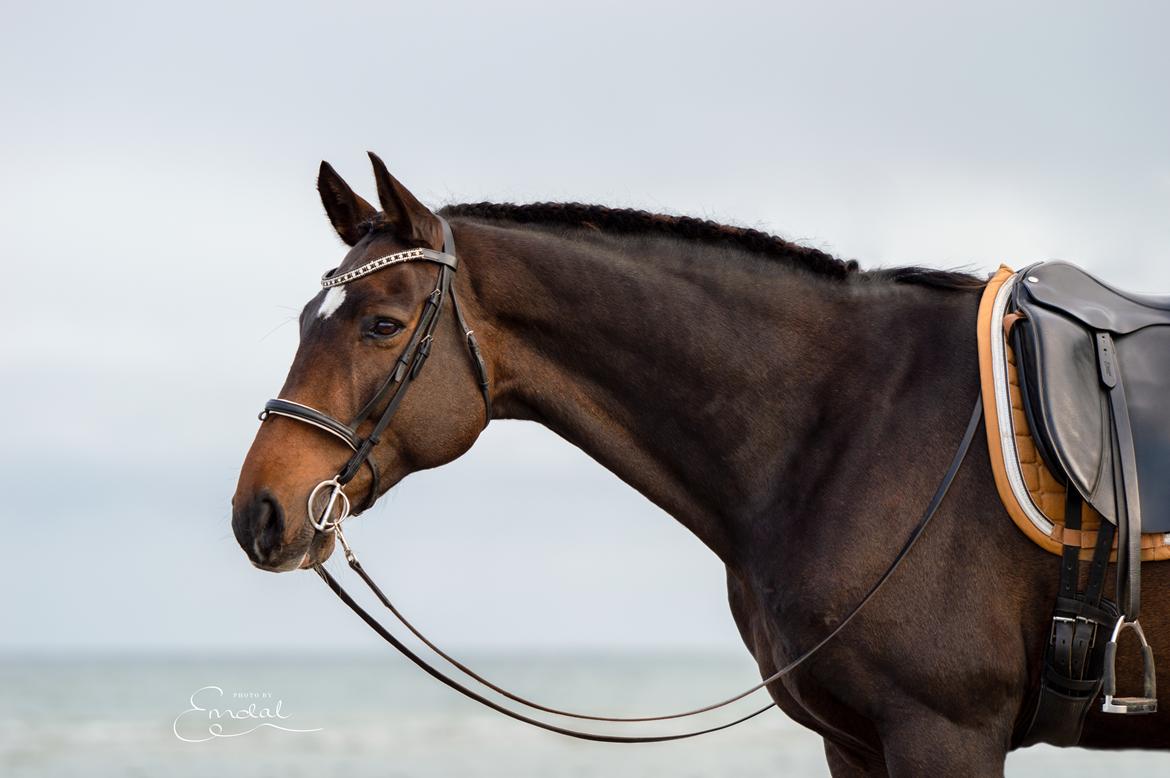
406 369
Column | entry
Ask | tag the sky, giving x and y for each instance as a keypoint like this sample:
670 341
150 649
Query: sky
160 229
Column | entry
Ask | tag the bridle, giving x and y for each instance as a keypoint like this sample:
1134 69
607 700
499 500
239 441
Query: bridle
405 370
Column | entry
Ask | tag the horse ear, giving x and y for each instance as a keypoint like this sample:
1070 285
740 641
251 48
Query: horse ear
410 219
346 210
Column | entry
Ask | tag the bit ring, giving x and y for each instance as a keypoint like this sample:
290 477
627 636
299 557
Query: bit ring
325 522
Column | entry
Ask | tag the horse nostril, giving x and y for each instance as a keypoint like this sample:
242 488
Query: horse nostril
259 528
269 523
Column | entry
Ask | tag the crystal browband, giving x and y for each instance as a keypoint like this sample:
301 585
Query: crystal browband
430 255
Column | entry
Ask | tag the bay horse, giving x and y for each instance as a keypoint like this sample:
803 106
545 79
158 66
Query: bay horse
791 410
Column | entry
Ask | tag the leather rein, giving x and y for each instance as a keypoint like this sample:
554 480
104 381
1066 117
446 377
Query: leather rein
328 517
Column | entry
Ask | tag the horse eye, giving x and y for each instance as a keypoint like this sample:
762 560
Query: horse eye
384 328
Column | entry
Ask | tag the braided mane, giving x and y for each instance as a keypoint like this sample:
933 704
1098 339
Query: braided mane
632 221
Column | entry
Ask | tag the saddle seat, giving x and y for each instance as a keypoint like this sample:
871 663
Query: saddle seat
1097 292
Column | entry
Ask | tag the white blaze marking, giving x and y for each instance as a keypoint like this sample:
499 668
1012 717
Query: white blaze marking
333 300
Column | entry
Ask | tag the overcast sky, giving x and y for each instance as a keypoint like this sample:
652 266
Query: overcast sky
160 227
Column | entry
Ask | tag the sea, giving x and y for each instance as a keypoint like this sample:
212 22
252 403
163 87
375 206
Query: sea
357 715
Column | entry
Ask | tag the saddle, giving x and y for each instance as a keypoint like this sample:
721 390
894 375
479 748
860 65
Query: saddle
1074 373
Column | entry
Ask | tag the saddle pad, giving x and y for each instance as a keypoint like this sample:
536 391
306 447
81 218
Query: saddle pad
1033 497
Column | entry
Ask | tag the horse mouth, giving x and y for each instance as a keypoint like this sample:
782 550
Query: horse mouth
320 548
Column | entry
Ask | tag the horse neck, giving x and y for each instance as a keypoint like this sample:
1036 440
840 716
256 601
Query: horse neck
724 386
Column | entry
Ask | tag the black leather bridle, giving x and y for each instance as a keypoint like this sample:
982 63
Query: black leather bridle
406 369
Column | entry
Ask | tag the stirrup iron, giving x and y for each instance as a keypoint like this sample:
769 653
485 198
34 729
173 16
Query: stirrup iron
1130 706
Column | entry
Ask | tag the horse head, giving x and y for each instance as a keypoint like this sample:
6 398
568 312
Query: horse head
344 410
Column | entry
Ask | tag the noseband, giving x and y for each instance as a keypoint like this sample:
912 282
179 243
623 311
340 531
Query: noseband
406 369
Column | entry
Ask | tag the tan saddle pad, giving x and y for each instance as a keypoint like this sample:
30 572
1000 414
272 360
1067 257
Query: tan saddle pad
1030 493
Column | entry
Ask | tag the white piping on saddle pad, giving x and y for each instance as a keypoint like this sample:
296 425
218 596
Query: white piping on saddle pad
1003 410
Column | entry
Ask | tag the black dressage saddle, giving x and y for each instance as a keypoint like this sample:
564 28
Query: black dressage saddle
1096 368
1094 364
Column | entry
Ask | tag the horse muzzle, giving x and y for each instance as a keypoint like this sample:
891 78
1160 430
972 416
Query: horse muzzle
259 525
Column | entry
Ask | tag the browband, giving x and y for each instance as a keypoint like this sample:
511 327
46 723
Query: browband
410 255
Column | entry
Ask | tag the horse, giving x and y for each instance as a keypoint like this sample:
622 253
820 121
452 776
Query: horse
791 410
